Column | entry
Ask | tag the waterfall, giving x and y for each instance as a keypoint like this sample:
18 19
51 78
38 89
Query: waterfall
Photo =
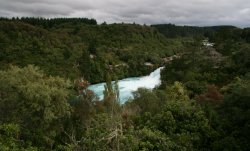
129 85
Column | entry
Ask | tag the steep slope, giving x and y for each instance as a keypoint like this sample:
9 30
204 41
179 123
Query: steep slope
78 49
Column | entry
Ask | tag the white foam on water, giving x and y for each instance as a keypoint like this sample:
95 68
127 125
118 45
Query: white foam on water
129 85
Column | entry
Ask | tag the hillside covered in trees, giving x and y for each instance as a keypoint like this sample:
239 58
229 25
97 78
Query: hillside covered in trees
203 102
74 47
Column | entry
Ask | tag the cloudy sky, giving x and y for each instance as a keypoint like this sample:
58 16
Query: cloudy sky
182 12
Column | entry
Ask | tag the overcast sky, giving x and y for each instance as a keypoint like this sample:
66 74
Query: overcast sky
181 12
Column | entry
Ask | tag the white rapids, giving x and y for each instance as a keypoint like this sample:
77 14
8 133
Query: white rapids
129 85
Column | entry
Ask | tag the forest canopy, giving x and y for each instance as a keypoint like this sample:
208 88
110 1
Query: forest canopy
46 66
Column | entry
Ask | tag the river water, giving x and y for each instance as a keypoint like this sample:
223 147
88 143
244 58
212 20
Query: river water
129 85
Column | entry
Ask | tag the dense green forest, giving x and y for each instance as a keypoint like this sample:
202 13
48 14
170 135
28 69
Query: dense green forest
71 48
47 65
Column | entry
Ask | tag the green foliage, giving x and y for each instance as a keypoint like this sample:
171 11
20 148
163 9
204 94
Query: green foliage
34 101
52 22
235 114
146 101
173 31
180 124
206 110
77 47
195 70
10 139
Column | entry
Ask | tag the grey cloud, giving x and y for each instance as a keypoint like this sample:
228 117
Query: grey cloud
188 12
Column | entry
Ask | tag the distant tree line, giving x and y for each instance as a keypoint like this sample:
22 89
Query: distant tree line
50 22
